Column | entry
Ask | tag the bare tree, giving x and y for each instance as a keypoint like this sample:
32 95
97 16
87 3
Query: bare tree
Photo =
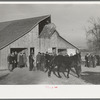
93 34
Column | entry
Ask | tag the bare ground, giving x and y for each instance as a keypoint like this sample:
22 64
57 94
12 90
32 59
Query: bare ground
22 76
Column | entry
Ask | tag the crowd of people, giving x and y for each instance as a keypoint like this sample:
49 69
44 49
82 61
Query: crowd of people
42 60
92 60
46 62
22 60
15 59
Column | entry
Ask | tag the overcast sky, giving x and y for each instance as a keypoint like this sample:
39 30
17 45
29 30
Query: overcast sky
69 19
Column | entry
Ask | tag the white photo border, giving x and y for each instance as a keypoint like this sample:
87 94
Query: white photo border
41 91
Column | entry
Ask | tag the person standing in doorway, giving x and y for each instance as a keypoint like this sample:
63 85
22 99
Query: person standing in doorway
31 61
15 59
86 60
20 60
10 59
25 59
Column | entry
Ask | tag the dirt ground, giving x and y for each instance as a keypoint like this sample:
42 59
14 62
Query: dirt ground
22 76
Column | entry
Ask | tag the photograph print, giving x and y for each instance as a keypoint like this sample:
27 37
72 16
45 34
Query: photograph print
53 44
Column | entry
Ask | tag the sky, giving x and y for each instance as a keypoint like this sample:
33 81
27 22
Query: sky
70 19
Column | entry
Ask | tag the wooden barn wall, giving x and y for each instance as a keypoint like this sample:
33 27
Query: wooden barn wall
53 40
41 45
0 57
47 44
59 43
44 45
4 54
27 41
64 44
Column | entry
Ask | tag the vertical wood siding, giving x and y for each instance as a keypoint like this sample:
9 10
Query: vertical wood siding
64 44
31 40
27 41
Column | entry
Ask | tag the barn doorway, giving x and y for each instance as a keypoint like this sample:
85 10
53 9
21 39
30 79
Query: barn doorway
20 57
18 50
54 50
32 50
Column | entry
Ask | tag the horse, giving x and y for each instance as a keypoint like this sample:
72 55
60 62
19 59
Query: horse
67 63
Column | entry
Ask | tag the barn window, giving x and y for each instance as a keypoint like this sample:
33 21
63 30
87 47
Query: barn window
54 50
43 23
32 50
62 51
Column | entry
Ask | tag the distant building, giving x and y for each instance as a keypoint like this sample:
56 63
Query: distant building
34 35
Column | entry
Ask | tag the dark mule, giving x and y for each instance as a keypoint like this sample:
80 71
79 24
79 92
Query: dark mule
67 63
75 62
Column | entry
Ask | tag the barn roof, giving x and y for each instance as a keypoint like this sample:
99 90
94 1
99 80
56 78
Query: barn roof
67 41
12 30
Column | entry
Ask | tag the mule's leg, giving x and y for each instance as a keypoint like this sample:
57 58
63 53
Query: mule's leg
50 68
64 74
68 72
58 70
77 71
49 73
47 67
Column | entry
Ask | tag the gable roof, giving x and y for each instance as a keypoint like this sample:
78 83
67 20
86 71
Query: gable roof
12 30
66 41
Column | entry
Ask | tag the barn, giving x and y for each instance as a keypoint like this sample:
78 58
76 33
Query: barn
35 35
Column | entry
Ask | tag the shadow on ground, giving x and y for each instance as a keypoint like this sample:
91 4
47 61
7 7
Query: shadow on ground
91 77
3 70
3 77
64 72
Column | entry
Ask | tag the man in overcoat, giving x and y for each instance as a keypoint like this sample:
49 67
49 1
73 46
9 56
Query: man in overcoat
31 62
38 61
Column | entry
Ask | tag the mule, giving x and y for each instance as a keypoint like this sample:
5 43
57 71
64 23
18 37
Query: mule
67 63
